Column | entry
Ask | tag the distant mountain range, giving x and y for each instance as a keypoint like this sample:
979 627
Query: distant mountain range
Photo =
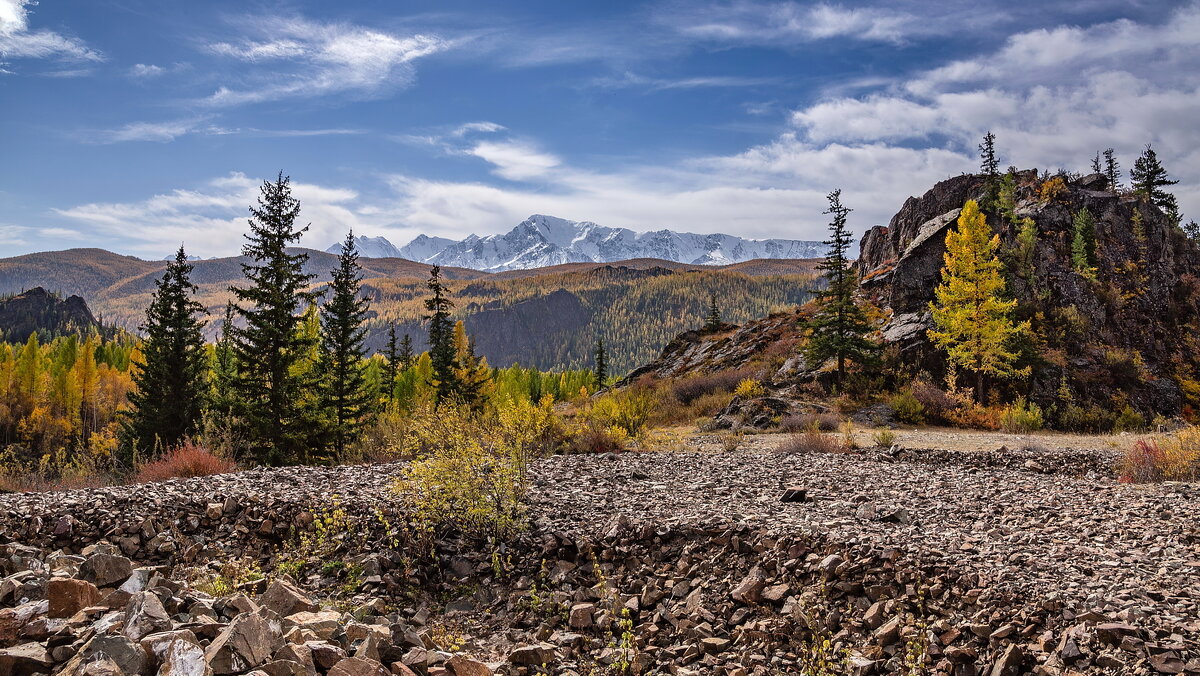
541 241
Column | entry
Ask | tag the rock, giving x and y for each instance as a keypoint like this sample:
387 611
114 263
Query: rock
776 593
1167 663
354 666
23 660
888 633
286 599
144 614
299 654
714 645
184 658
68 597
325 655
106 570
1010 662
1112 632
749 590
829 565
795 494
324 624
248 641
532 655
126 656
581 615
462 666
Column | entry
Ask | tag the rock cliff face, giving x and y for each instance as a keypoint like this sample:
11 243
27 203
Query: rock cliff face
40 310
1127 332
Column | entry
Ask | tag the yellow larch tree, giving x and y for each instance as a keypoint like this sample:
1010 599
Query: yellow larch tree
972 320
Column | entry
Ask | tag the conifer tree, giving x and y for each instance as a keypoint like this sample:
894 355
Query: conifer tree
270 390
224 368
391 369
1149 178
441 338
840 324
346 397
1112 170
1083 243
471 371
1192 230
712 321
972 321
989 165
600 363
1096 168
170 393
406 352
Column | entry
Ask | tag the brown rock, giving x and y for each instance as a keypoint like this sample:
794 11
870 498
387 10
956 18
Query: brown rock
325 655
106 570
462 666
356 666
581 615
182 657
68 597
286 599
532 655
246 643
1010 662
749 590
25 659
144 615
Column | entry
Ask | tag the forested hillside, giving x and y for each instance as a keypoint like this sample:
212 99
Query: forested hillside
548 318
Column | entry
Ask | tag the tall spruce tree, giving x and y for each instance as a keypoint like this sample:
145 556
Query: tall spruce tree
391 369
712 321
347 398
406 352
170 383
1096 168
1112 169
271 408
441 338
972 321
840 324
600 363
1149 178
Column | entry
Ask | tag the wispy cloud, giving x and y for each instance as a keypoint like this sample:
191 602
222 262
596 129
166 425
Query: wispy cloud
629 79
170 130
18 41
146 70
302 58
775 22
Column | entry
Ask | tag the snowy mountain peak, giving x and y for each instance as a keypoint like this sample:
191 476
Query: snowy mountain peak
371 247
542 240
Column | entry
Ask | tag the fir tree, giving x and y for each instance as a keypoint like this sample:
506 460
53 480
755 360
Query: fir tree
170 393
972 321
441 338
1083 243
1112 169
1096 169
988 164
406 352
391 369
1192 230
712 321
270 389
346 397
1149 178
839 325
600 364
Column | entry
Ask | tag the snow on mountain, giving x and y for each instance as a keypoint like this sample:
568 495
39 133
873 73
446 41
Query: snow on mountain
371 247
540 240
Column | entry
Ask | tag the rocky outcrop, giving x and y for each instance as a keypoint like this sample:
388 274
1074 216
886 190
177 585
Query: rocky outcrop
38 310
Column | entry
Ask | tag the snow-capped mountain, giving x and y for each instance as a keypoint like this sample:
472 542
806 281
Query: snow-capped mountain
540 240
371 247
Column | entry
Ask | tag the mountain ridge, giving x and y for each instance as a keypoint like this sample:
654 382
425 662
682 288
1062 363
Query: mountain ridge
541 241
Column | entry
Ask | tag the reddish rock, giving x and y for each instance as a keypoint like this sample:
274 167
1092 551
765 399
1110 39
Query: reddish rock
68 597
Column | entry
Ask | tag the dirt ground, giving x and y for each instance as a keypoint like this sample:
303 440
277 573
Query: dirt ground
945 438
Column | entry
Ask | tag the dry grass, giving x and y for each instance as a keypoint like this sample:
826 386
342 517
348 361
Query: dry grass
813 441
1174 457
824 422
32 483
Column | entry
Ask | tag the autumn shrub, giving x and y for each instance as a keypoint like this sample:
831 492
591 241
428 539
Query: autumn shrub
686 390
812 441
1128 419
883 438
629 409
749 388
1181 455
1142 463
976 417
824 422
183 462
907 407
597 439
937 402
1093 418
1021 417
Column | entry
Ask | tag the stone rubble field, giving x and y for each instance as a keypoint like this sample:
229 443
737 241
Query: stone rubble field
912 562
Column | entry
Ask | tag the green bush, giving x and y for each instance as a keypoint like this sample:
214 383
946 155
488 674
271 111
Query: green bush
1076 418
628 409
1128 420
908 408
1022 416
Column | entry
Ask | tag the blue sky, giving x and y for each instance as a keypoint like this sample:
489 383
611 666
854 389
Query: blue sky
134 125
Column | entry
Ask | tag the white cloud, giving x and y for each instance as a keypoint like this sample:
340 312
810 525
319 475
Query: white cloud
629 79
515 160
321 59
146 71
794 22
17 41
12 235
211 221
59 233
170 130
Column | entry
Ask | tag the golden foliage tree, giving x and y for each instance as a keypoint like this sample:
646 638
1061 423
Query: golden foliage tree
972 320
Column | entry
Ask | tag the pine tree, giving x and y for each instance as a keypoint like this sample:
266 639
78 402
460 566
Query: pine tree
988 164
346 397
1149 178
1083 243
441 338
1112 169
600 364
1192 230
1096 169
712 320
840 324
170 393
972 321
224 368
270 389
391 369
